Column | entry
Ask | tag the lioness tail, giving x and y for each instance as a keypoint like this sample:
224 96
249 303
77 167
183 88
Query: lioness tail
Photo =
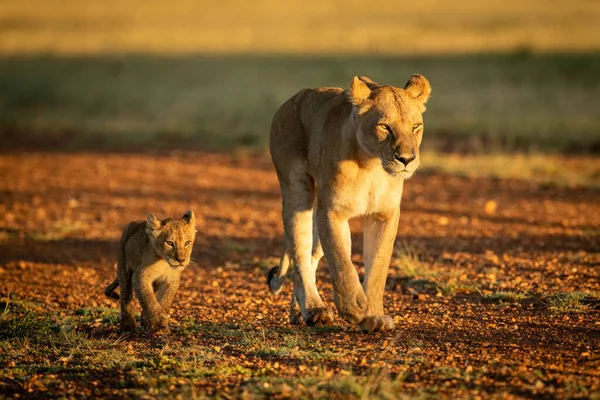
276 277
110 290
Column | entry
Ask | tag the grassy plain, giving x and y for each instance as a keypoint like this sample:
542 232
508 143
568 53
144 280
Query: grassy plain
523 101
505 74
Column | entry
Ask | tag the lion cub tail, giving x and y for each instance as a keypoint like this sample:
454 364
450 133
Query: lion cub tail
110 290
276 277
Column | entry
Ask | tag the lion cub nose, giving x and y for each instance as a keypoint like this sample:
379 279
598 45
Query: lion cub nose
405 158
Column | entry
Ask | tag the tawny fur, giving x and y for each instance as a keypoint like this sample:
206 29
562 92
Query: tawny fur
152 255
340 155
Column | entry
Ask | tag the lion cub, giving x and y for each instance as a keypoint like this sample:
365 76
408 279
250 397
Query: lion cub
152 256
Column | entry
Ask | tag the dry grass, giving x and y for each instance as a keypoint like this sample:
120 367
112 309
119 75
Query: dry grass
563 171
297 26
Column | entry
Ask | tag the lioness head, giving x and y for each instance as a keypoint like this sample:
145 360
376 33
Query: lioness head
390 125
173 239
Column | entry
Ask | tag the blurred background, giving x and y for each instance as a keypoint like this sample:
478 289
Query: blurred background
506 75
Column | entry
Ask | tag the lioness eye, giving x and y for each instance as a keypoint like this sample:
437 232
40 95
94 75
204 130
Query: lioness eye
417 126
384 127
187 244
169 243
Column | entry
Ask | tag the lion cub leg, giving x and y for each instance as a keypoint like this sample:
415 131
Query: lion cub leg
154 318
378 245
166 293
127 317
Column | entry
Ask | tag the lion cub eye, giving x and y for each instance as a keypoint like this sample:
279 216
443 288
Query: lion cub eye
187 244
416 127
170 244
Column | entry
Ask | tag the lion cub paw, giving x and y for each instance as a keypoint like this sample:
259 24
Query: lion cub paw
155 323
376 323
127 325
319 316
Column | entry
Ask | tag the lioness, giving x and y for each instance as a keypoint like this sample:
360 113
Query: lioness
152 255
338 155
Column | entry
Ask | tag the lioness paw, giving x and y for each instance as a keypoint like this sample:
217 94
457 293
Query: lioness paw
376 323
319 316
296 317
351 305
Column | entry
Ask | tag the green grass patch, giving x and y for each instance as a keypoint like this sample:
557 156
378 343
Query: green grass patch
573 302
452 288
504 297
511 101
407 264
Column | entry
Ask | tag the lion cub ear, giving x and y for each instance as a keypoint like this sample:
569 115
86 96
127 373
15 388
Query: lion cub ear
152 223
358 92
419 89
189 217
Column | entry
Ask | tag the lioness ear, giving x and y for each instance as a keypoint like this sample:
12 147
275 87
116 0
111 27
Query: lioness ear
358 91
419 89
370 83
189 217
152 223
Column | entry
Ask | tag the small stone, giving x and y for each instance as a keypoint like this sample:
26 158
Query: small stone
539 385
490 207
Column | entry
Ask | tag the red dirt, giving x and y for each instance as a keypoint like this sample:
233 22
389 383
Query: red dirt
61 216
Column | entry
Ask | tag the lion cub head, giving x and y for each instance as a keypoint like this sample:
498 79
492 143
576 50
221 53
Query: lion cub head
173 239
390 125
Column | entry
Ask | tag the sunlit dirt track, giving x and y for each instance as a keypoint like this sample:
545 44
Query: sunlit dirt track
481 309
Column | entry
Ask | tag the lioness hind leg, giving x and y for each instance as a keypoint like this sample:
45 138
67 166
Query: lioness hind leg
276 277
298 191
322 315
296 317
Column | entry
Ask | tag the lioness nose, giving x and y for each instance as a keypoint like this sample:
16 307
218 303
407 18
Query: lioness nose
405 158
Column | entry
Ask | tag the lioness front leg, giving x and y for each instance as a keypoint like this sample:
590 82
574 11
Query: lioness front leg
379 236
348 294
154 318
